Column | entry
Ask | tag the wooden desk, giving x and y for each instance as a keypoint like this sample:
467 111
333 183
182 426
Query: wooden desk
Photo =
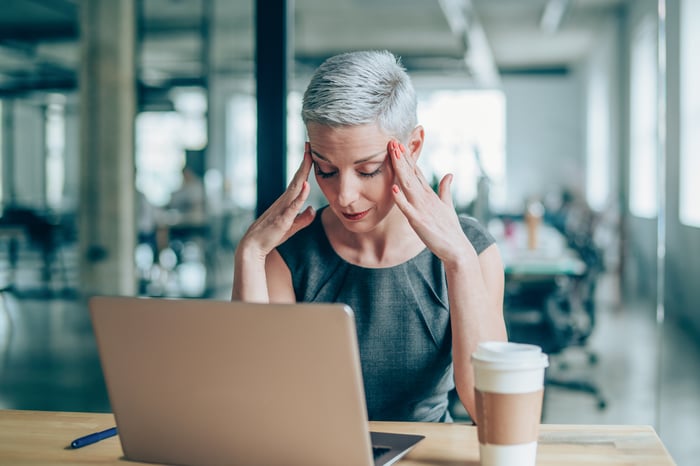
42 438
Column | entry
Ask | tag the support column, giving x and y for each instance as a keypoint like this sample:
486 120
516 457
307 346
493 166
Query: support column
216 115
107 111
273 54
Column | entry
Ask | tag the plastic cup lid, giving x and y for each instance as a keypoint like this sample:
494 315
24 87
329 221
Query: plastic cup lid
507 355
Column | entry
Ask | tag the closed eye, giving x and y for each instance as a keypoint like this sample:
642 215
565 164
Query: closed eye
323 174
371 174
328 174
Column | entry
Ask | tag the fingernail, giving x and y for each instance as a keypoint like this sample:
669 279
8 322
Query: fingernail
395 148
402 147
395 189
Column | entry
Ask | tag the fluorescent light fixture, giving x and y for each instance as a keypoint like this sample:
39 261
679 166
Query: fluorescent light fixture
464 23
455 13
553 14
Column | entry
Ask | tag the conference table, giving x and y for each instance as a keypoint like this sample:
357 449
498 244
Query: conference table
42 438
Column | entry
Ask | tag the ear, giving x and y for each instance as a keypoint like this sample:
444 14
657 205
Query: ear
415 142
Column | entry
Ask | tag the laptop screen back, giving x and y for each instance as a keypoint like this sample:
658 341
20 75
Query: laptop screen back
212 382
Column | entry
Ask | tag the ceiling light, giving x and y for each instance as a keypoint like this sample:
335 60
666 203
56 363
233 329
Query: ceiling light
553 14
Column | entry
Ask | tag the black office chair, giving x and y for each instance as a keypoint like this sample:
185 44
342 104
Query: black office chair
43 233
556 314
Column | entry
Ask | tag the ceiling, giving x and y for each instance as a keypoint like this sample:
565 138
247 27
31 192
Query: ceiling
474 40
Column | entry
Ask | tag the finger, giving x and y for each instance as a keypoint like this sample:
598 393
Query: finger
409 177
444 189
414 168
279 218
401 167
285 209
307 161
402 201
299 200
302 220
304 169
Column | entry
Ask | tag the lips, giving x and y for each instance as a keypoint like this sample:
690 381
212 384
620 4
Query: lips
356 217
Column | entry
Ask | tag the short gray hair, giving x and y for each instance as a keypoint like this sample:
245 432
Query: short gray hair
363 87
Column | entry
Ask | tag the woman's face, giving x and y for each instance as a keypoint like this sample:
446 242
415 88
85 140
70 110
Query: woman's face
354 172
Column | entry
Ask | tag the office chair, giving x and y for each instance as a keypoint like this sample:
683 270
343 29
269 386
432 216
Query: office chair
555 314
41 232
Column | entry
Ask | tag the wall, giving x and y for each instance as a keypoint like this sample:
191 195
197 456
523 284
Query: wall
682 243
544 134
601 73
639 244
682 293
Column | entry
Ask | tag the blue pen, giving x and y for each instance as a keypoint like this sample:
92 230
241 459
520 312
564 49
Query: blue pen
94 437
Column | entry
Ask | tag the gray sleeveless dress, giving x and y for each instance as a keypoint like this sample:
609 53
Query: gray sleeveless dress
402 318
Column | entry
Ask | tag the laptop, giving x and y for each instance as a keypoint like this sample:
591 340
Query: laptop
205 382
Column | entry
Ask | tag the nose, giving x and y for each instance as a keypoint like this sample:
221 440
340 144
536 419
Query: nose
347 190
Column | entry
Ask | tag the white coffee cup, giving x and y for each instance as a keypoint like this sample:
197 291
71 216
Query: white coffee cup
509 387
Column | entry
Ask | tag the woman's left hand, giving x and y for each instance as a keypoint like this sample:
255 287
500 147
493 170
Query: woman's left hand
432 216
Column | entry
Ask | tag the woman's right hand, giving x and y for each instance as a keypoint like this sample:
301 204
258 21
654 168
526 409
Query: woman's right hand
282 219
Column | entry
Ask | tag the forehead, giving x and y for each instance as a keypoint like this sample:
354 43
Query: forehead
346 143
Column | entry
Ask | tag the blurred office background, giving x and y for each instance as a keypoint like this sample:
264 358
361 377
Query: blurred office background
138 139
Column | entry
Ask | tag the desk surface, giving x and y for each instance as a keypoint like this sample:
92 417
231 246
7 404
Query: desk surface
42 438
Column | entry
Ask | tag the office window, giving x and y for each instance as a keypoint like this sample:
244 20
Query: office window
55 127
598 141
2 154
241 150
689 188
465 136
160 155
162 139
643 122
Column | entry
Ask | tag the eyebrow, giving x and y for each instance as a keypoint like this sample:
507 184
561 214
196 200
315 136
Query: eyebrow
357 162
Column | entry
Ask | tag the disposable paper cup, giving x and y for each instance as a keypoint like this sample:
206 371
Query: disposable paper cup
509 386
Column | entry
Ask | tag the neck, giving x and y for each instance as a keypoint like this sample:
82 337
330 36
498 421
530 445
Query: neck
392 242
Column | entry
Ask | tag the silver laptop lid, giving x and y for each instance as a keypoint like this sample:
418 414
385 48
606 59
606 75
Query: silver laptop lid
214 382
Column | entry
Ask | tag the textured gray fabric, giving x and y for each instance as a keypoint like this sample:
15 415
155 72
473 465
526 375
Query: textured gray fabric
402 318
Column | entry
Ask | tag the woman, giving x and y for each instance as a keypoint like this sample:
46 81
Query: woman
426 285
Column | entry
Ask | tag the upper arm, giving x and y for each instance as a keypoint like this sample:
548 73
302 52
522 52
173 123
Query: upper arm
279 279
